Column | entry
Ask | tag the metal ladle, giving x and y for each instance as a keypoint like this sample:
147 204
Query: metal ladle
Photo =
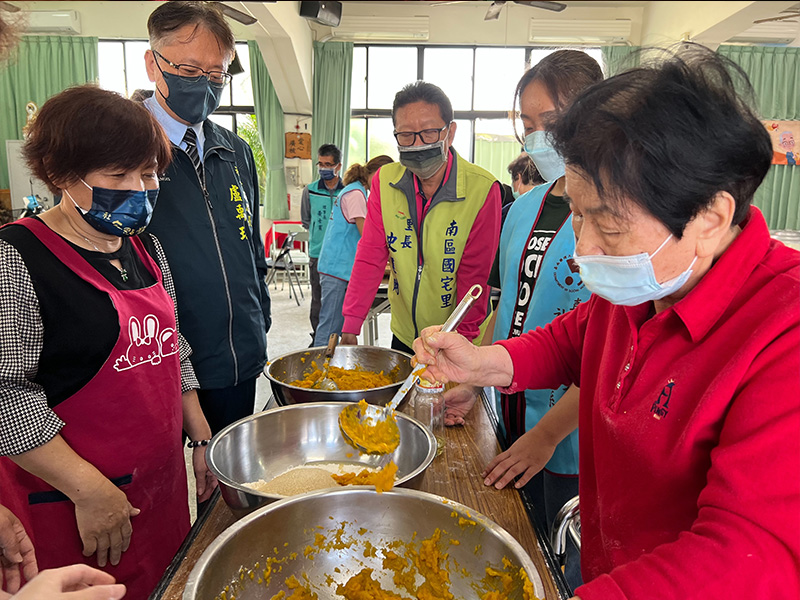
371 416
325 382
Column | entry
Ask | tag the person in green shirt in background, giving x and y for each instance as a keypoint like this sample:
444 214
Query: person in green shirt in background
315 212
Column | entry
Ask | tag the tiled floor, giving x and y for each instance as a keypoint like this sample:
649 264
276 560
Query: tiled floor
290 331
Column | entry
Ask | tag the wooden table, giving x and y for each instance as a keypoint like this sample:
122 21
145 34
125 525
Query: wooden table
455 474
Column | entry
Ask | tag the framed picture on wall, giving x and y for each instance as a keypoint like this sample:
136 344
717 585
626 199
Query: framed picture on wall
784 135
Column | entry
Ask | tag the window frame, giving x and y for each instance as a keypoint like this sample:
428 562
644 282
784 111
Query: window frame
471 115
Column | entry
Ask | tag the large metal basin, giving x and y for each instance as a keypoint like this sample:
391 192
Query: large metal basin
264 445
289 526
294 365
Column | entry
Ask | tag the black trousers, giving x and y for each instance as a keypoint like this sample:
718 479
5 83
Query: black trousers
398 345
316 297
224 406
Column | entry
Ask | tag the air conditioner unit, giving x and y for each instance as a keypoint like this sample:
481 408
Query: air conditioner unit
774 32
382 28
53 21
574 31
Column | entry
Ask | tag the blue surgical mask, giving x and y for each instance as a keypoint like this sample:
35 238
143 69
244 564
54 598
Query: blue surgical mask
118 212
515 193
548 162
326 174
628 280
192 100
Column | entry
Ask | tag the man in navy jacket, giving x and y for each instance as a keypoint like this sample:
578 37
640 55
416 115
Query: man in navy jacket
207 216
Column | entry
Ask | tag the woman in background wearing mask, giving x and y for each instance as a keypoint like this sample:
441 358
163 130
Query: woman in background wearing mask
95 384
340 242
524 175
687 352
538 282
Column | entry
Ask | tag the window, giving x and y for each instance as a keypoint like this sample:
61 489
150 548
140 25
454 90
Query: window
480 83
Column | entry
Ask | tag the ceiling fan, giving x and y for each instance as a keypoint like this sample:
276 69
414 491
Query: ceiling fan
497 6
787 15
235 14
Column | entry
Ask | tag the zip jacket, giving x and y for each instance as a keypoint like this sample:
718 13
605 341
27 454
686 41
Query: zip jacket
211 236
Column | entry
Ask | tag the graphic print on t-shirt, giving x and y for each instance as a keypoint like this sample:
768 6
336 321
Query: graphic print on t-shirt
148 343
529 272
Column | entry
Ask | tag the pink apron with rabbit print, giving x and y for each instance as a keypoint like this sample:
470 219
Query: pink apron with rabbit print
127 422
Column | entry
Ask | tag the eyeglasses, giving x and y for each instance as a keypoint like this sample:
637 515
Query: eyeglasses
193 73
428 136
323 165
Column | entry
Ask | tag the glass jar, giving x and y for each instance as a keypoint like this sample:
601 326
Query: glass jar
427 407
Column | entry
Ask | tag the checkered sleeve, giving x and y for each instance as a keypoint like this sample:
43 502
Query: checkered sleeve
26 421
188 377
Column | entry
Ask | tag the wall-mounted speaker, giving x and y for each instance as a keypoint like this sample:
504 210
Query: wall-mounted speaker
325 12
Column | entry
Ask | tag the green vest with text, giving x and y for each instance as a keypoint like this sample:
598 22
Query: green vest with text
422 290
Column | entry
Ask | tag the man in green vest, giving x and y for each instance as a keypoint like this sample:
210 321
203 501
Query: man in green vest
434 217
315 212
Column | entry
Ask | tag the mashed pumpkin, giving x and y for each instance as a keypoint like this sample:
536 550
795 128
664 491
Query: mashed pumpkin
347 379
380 438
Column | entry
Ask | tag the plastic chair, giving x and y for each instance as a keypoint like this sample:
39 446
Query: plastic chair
285 263
567 522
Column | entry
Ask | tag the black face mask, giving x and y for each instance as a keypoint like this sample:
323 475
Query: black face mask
424 161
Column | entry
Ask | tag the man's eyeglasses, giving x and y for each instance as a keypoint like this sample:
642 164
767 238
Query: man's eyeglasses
428 136
323 165
193 73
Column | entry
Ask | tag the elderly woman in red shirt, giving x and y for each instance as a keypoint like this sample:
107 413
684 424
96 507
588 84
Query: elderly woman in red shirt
687 354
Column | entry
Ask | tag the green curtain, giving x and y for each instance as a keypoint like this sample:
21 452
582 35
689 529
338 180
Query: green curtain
775 75
269 117
333 71
495 153
619 58
41 67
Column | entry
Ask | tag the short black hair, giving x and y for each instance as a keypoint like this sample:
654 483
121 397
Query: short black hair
564 74
330 150
171 16
422 91
669 137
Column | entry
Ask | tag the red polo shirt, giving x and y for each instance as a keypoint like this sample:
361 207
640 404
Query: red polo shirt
689 430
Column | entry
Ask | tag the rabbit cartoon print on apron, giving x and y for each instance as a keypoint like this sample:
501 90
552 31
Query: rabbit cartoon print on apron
127 422
148 343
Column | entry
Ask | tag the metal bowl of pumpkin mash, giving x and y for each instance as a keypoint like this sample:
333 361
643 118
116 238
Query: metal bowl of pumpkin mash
293 366
270 443
322 539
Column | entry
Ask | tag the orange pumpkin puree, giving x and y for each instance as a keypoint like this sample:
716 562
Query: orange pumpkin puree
381 438
347 379
383 480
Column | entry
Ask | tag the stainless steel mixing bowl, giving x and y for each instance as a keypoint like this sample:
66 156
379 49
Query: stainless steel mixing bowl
294 365
289 526
264 445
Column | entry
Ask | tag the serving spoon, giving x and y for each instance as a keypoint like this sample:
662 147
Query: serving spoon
324 382
359 423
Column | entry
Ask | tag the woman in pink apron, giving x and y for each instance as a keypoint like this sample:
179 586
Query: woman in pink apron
95 382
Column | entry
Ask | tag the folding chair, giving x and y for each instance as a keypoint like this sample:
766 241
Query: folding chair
283 262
